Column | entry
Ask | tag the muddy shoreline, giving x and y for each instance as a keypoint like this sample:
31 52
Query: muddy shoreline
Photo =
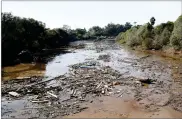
151 83
166 52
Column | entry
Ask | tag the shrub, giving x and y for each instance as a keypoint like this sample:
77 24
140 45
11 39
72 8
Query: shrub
165 34
132 39
128 37
145 36
144 31
147 43
162 35
176 37
137 36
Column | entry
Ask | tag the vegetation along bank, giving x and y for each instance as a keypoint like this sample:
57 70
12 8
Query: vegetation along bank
166 37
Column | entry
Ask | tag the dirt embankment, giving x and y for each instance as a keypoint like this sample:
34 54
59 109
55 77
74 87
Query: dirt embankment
167 52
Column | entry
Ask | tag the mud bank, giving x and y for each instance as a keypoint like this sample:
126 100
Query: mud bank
166 52
112 107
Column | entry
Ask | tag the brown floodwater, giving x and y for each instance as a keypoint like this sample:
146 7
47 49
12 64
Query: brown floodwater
23 70
122 59
58 66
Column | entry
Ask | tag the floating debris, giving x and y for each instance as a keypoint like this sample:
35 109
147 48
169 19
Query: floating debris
15 94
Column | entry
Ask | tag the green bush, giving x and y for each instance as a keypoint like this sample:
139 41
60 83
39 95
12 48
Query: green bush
128 37
165 34
131 37
147 43
162 35
176 37
136 36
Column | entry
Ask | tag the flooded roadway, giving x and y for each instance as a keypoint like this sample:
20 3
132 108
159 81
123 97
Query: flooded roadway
129 63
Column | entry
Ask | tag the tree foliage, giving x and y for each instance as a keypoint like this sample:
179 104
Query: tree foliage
176 37
152 21
95 31
27 34
114 29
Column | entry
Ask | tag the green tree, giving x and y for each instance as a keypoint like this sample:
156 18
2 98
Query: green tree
95 31
28 34
152 21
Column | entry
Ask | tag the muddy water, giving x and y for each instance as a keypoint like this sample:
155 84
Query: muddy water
58 66
23 70
122 59
126 61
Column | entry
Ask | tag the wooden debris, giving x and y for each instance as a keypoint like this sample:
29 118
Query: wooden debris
52 94
40 101
115 83
15 94
145 56
99 85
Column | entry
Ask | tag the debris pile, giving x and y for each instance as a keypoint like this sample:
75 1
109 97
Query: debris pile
84 82
105 58
64 95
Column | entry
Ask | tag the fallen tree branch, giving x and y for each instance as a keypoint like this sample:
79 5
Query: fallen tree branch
33 84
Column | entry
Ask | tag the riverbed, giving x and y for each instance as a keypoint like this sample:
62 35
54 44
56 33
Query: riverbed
131 65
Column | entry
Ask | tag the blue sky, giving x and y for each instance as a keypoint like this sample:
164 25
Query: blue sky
80 14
